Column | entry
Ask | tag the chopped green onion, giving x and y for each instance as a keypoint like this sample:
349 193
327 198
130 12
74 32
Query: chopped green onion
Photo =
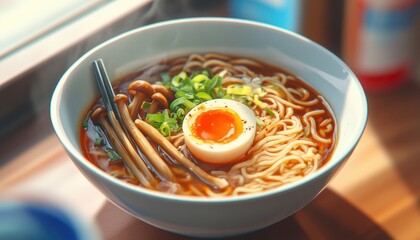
176 81
239 89
259 122
179 94
164 122
189 96
199 86
270 112
173 124
259 103
98 142
220 92
199 78
187 88
219 80
113 155
203 96
196 101
211 84
177 102
85 124
173 114
180 113
164 129
155 119
182 101
227 96
183 75
146 105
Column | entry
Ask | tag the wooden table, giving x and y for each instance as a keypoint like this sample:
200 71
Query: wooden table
375 196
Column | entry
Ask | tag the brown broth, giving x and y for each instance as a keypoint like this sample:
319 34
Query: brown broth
89 132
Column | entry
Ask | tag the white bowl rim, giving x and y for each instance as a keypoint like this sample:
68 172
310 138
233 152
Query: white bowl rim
56 122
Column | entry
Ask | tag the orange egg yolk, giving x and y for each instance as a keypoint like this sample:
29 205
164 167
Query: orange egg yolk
220 125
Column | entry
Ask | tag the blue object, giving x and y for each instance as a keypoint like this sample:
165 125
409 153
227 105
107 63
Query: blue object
33 221
280 13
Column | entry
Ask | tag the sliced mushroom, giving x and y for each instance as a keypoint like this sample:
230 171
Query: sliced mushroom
158 163
142 91
144 177
130 148
168 93
158 101
154 134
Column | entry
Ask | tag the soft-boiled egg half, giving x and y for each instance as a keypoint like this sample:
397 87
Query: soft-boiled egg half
219 131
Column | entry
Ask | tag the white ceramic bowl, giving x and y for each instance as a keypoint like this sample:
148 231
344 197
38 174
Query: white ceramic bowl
203 216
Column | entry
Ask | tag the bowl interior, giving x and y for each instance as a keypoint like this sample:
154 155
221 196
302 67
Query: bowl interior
123 54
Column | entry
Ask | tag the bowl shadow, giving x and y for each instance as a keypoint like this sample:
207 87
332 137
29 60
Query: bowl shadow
328 216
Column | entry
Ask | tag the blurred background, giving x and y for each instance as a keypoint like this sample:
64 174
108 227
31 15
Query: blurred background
378 39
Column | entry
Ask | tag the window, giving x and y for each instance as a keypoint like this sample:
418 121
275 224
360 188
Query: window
51 39
42 38
24 21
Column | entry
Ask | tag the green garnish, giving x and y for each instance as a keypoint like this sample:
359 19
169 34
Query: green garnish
180 113
247 94
258 102
199 87
85 124
146 105
165 129
195 89
163 122
182 102
203 96
199 78
113 155
189 91
239 89
98 142
155 119
177 80
270 112
259 121
210 85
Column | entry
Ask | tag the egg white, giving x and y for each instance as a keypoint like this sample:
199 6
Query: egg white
220 153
